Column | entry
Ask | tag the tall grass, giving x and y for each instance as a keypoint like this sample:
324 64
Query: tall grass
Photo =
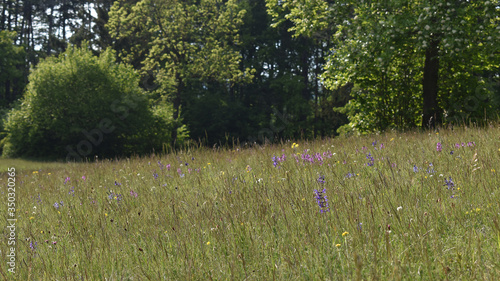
220 214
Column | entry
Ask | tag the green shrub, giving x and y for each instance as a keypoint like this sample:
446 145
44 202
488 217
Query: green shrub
80 106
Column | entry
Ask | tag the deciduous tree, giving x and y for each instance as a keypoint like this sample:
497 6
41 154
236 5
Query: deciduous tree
179 42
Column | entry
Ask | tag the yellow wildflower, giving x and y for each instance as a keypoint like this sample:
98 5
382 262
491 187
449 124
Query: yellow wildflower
208 243
345 233
338 245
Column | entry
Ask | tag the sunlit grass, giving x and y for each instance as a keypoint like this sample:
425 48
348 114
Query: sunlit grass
231 214
28 165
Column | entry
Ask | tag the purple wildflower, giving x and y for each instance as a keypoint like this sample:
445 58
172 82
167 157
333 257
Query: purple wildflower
439 147
32 246
327 154
282 158
430 170
56 205
275 161
118 197
321 180
449 183
415 168
319 158
72 191
117 183
67 179
372 160
133 193
321 197
322 201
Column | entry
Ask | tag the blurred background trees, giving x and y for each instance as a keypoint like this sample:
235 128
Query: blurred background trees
251 70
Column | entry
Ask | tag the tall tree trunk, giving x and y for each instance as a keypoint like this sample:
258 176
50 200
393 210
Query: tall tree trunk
7 91
9 19
304 65
50 19
431 111
177 105
2 20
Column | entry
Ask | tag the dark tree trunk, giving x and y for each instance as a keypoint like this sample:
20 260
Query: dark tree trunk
9 17
2 21
50 19
177 105
7 91
304 65
431 111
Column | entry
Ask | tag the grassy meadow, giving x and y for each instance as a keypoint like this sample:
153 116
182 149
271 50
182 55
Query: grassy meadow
393 206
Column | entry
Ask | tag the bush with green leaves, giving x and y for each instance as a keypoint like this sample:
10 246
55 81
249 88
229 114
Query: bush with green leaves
79 106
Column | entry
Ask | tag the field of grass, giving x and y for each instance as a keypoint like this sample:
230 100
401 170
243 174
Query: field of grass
395 206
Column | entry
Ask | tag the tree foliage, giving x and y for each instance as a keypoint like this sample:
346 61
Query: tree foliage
11 64
180 42
78 106
410 61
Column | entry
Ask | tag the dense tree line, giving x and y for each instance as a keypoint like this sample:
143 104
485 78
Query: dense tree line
251 70
412 63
